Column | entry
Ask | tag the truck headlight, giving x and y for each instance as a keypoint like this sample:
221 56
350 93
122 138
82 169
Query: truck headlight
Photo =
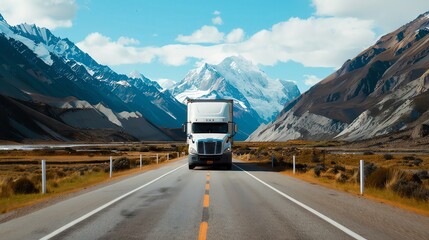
192 150
227 150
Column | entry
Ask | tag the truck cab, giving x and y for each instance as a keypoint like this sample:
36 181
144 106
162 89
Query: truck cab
210 130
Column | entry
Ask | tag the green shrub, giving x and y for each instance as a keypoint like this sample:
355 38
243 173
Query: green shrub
411 189
417 161
122 163
318 169
338 168
369 168
24 186
61 173
422 174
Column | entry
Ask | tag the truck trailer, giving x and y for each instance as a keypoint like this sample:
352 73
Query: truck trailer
210 130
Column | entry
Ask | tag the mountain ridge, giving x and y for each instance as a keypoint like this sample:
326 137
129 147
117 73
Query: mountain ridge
41 70
373 94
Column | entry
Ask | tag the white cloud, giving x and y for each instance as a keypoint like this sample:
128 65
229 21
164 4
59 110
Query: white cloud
207 34
236 35
338 32
216 12
128 41
217 20
315 42
46 13
386 14
310 80
109 52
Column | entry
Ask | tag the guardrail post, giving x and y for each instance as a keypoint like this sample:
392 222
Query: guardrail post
157 157
140 161
178 154
362 177
168 156
272 161
293 163
111 166
43 176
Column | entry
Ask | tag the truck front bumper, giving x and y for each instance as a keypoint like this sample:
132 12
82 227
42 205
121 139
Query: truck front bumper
210 160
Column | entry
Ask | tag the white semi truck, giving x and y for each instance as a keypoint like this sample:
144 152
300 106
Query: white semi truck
209 130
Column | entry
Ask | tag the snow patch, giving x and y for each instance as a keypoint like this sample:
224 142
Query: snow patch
40 49
76 104
126 115
123 83
191 94
109 114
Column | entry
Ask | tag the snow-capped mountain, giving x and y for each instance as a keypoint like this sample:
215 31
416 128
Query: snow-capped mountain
382 90
257 97
41 71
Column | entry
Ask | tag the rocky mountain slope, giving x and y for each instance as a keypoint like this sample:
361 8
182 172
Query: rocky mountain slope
257 97
48 78
382 90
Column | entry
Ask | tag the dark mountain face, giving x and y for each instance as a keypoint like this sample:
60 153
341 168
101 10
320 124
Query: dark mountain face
373 94
85 99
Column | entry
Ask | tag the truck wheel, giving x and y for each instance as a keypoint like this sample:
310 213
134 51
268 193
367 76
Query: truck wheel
191 166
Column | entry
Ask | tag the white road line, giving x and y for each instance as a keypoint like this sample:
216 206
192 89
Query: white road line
327 219
71 224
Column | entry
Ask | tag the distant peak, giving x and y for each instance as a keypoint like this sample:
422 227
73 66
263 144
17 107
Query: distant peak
238 62
135 74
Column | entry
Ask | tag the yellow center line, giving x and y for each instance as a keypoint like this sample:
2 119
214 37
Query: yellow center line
206 200
203 231
204 224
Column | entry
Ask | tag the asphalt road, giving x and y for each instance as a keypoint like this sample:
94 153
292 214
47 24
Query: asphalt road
246 202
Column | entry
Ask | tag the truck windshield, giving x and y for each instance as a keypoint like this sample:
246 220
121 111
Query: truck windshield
210 128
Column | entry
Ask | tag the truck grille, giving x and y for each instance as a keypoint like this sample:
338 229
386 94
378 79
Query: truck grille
210 148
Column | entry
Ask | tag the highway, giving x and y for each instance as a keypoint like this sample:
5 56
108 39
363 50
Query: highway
247 202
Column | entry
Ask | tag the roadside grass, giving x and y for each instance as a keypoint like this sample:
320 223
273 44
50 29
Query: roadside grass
397 179
67 174
55 188
381 195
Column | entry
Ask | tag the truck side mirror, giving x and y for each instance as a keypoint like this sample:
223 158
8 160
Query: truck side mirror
184 127
190 137
235 128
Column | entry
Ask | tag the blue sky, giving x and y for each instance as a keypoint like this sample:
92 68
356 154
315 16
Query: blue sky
299 40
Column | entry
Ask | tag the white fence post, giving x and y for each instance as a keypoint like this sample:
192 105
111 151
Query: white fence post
178 154
272 161
168 156
140 161
362 177
111 166
43 176
293 163
157 157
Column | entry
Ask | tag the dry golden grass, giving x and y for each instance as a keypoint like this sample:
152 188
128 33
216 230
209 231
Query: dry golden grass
309 156
381 195
63 179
